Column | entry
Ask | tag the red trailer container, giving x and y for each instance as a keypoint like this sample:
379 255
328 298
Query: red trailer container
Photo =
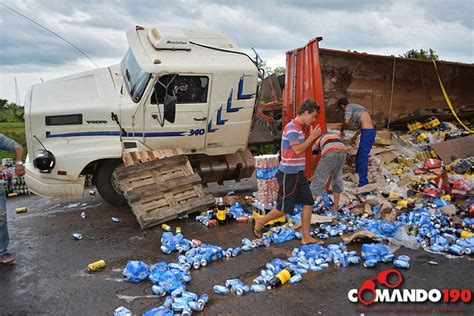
303 80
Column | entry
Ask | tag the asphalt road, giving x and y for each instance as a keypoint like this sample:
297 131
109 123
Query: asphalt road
50 275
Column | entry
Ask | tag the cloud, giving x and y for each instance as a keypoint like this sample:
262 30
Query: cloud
271 26
35 73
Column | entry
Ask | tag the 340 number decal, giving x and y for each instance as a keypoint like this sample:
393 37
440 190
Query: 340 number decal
196 132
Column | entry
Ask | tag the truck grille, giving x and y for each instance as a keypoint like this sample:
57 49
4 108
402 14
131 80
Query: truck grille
72 119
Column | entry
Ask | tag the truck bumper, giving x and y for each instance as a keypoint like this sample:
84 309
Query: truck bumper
53 187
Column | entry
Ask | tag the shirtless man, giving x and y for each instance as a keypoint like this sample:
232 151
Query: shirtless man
358 114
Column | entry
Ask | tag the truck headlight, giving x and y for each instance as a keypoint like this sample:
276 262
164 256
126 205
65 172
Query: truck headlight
44 160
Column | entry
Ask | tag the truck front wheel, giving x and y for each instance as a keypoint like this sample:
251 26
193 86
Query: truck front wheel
105 183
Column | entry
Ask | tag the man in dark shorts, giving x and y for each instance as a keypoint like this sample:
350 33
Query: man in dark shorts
293 184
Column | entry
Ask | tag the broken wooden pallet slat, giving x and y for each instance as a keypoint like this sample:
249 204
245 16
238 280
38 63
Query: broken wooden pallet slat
166 214
174 196
135 157
159 185
151 176
125 171
127 159
156 188
159 211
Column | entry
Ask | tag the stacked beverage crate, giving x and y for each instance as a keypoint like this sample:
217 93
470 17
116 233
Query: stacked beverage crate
13 185
266 168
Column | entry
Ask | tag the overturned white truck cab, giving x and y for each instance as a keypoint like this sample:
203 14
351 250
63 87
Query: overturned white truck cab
175 88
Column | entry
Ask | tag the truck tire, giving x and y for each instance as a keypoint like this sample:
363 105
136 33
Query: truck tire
104 183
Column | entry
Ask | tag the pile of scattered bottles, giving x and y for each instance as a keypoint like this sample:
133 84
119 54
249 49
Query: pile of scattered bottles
431 130
278 272
427 225
432 230
375 253
169 281
12 184
462 166
435 232
172 278
347 222
221 215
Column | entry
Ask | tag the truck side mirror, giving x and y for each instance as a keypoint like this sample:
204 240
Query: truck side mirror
170 108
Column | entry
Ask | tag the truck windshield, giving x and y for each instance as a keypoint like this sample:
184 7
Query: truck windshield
134 77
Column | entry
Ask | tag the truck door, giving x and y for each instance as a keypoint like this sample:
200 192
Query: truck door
192 106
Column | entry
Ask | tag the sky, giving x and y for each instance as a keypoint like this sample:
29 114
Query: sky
31 54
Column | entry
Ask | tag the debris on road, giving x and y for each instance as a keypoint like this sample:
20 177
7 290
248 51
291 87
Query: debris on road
20 210
413 202
236 213
166 227
122 311
96 266
220 289
77 236
160 186
402 262
136 271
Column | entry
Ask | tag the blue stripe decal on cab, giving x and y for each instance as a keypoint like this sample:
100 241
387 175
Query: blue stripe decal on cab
115 133
157 134
220 121
240 92
210 129
230 109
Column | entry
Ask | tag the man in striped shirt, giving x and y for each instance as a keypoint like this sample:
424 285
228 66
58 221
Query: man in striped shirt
293 184
333 154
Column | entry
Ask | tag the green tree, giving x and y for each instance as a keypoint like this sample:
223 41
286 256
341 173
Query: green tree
12 124
3 107
11 112
269 71
17 111
429 54
279 71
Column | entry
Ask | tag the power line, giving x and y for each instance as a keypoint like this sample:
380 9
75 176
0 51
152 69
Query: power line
51 31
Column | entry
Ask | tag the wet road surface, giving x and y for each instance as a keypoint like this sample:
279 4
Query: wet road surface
50 275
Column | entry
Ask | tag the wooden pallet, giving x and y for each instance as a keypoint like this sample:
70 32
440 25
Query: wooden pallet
135 157
160 186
